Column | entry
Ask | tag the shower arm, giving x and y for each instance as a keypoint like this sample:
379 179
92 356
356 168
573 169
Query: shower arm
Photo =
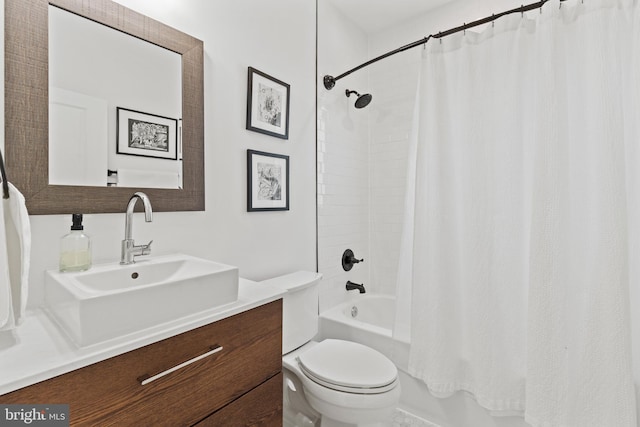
330 81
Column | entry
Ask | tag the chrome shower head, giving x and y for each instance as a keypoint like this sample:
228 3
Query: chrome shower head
362 101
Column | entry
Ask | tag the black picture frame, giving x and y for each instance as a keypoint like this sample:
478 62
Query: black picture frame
267 181
267 104
163 142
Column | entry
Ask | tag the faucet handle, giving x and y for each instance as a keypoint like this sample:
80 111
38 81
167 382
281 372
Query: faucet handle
348 260
146 249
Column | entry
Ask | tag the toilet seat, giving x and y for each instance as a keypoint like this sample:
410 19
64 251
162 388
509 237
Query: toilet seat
348 367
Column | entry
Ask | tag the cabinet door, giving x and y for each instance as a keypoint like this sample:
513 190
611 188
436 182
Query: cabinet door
111 393
260 407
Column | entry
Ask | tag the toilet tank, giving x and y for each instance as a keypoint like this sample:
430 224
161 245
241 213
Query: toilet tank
299 307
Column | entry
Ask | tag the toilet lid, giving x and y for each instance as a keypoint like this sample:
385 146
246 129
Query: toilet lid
348 366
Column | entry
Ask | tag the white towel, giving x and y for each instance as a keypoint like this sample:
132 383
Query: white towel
15 249
6 305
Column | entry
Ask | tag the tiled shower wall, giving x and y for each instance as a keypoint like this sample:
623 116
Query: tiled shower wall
342 140
393 84
362 159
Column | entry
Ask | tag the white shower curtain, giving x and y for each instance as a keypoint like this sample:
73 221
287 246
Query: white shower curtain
515 270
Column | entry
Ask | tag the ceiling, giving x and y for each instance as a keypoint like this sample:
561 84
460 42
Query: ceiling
376 15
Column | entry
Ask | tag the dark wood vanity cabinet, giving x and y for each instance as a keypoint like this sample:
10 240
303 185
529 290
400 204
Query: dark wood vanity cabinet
237 385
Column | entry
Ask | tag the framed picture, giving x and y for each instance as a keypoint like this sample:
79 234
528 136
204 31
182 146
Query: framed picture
143 134
267 105
267 181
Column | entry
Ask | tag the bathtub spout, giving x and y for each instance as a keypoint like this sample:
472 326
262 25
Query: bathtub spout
351 286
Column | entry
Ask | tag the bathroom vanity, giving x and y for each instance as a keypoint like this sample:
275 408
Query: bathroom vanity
223 369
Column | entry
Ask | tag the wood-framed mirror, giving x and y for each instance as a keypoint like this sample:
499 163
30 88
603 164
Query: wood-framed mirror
27 109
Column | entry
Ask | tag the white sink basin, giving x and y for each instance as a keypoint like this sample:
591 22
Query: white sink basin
111 300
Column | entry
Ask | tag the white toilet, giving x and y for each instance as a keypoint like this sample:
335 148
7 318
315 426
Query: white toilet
341 383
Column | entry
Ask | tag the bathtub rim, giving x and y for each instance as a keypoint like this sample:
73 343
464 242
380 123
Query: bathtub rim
338 314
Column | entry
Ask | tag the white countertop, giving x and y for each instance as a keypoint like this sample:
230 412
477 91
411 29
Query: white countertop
38 350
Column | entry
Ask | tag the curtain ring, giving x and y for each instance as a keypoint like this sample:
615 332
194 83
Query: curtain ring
464 29
521 11
493 20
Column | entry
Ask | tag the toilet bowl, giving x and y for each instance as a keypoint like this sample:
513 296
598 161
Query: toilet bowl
340 382
345 382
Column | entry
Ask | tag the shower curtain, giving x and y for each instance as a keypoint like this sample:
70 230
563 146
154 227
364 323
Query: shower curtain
522 209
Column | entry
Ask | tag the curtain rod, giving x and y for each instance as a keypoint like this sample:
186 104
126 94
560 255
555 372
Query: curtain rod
330 81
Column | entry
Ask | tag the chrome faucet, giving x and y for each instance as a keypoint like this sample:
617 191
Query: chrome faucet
129 248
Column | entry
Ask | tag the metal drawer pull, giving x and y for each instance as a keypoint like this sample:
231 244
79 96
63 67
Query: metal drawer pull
147 379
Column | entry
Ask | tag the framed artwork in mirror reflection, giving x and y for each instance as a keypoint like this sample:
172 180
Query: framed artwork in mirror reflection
267 181
267 104
144 134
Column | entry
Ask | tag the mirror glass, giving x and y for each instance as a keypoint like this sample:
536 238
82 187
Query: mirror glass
115 107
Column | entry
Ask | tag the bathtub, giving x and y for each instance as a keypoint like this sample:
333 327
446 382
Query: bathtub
368 319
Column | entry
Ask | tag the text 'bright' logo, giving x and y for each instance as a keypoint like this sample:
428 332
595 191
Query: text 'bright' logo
27 417
38 415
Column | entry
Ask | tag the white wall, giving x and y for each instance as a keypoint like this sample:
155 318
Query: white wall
343 175
278 38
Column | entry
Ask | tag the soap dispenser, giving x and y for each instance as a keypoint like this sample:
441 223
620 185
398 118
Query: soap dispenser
75 247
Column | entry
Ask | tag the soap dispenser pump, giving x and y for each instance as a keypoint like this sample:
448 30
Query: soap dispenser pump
75 247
